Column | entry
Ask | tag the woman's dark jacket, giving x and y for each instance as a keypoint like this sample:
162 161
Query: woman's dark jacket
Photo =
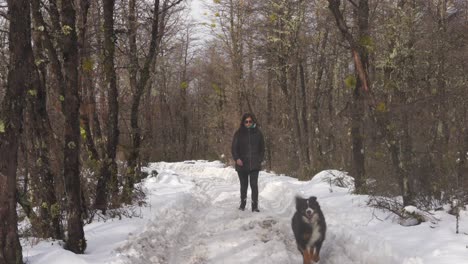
249 146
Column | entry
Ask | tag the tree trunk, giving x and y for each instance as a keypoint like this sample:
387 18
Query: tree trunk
406 145
296 124
287 54
41 131
357 133
108 173
85 84
88 108
183 96
236 53
156 34
304 113
268 145
316 154
11 115
135 130
396 125
97 95
289 91
357 106
462 169
76 241
440 127
53 55
67 81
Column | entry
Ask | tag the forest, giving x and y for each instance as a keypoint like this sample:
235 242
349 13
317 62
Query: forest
91 91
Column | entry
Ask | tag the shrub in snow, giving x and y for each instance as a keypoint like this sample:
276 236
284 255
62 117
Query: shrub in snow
411 216
407 216
335 178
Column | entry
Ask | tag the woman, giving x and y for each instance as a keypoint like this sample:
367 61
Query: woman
248 149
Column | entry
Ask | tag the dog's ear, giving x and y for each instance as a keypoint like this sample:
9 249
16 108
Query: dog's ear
313 201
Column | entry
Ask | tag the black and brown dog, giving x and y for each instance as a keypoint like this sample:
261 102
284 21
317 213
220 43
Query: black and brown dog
309 227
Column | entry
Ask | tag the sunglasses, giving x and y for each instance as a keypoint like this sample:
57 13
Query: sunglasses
248 122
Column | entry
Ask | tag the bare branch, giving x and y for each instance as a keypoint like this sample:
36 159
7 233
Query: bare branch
354 4
334 6
4 15
169 6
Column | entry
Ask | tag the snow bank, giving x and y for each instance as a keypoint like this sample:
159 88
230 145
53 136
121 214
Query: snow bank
192 217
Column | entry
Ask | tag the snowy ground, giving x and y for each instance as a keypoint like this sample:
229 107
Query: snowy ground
192 217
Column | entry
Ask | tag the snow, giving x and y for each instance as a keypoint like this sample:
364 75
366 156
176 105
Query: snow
191 216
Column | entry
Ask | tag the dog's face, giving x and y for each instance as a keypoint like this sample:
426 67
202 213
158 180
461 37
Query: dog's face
308 208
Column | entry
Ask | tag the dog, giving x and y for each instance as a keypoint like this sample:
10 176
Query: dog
309 228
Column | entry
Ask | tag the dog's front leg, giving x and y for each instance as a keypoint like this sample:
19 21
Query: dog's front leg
307 256
315 255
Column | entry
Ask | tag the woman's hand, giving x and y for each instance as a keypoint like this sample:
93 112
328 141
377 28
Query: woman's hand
239 162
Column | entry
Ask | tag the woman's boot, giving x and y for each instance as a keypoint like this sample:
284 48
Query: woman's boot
242 205
255 206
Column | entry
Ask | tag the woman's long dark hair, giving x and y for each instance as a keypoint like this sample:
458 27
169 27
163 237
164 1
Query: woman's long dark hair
245 116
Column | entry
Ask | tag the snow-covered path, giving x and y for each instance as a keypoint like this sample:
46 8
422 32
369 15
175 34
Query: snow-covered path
200 222
192 218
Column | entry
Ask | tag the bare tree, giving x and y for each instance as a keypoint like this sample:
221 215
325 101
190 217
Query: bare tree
398 142
11 115
233 16
139 85
40 134
287 24
108 173
76 241
361 62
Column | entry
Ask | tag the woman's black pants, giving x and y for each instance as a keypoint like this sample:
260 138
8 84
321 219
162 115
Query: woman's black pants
244 184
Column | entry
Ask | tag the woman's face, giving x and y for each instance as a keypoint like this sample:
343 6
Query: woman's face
248 122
